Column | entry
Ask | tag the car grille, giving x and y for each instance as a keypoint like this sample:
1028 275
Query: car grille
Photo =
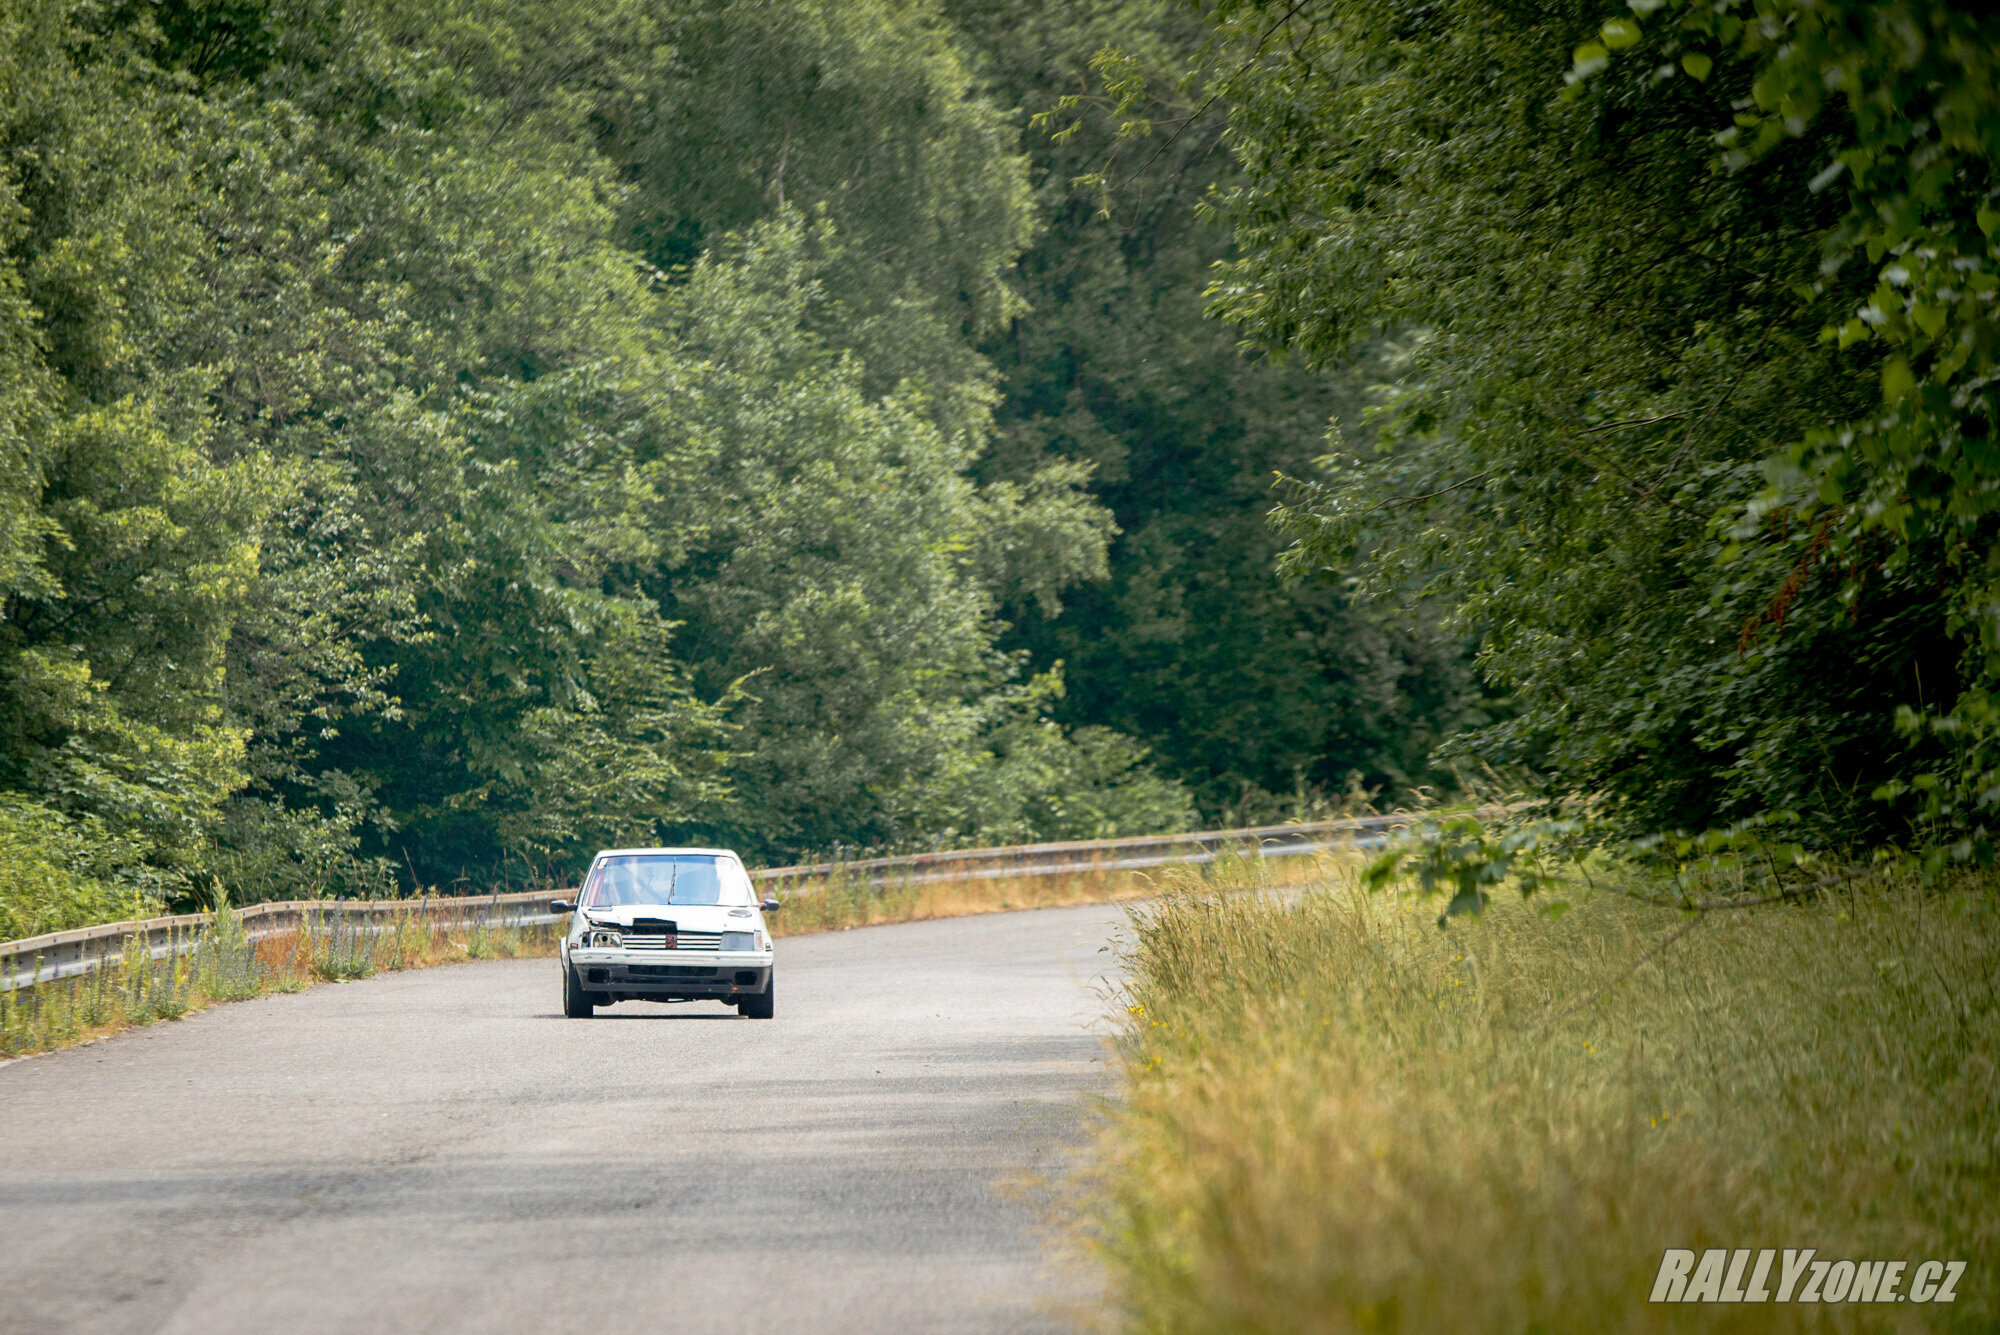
666 971
685 941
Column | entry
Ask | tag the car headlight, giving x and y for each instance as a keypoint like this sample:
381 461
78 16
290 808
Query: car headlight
603 940
739 941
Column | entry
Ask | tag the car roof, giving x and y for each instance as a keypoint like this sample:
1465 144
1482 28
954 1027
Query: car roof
636 852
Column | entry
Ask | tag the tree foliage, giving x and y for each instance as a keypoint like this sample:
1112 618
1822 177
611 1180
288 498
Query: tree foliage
1665 428
439 440
1257 696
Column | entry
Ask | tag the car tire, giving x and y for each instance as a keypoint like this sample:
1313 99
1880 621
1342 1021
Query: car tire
576 1002
764 1004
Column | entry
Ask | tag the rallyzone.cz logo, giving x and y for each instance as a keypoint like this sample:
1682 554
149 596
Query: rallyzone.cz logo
1723 1276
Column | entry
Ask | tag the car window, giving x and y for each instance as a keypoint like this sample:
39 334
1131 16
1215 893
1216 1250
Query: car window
736 886
664 879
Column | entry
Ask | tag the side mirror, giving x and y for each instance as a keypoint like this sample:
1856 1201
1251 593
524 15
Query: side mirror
770 906
562 906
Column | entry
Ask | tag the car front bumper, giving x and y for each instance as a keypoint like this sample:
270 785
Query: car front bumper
672 974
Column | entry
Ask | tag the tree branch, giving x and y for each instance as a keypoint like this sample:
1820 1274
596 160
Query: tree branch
1209 101
1633 421
1427 496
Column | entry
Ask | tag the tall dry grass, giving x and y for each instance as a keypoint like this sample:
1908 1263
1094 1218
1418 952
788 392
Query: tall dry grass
840 901
1337 1117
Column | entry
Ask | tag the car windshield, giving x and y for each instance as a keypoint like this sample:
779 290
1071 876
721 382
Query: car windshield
665 878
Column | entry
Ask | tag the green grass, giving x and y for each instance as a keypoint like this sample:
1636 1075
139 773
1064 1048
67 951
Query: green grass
1337 1117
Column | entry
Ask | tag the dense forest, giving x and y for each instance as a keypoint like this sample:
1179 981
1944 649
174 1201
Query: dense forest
1264 699
442 441
1691 316
439 440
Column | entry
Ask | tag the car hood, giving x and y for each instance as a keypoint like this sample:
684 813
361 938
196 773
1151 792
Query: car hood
687 917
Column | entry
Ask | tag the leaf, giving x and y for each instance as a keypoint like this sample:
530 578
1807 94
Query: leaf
1697 65
1382 869
1989 221
1619 33
1472 901
1897 382
1590 58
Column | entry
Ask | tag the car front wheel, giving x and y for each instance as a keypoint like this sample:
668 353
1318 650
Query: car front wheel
764 1005
576 1001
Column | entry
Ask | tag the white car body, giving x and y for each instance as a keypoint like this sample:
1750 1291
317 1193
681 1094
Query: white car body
666 951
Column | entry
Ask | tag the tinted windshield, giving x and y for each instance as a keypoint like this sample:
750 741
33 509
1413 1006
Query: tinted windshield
651 878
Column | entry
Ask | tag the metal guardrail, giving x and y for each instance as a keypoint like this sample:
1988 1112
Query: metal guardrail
43 959
1159 850
56 955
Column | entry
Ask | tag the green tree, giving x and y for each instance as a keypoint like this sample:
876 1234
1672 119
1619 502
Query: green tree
862 110
845 574
1246 690
438 441
482 457
129 549
1603 328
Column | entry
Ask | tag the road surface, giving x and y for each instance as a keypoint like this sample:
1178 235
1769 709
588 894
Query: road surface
441 1151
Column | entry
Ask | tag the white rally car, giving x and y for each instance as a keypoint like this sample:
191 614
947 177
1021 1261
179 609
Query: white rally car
667 924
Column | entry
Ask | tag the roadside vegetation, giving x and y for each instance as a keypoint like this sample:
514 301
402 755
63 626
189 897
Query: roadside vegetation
1336 1117
1680 327
841 902
1688 316
134 989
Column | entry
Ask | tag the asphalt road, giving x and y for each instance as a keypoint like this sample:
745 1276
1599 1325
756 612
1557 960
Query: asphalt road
442 1151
